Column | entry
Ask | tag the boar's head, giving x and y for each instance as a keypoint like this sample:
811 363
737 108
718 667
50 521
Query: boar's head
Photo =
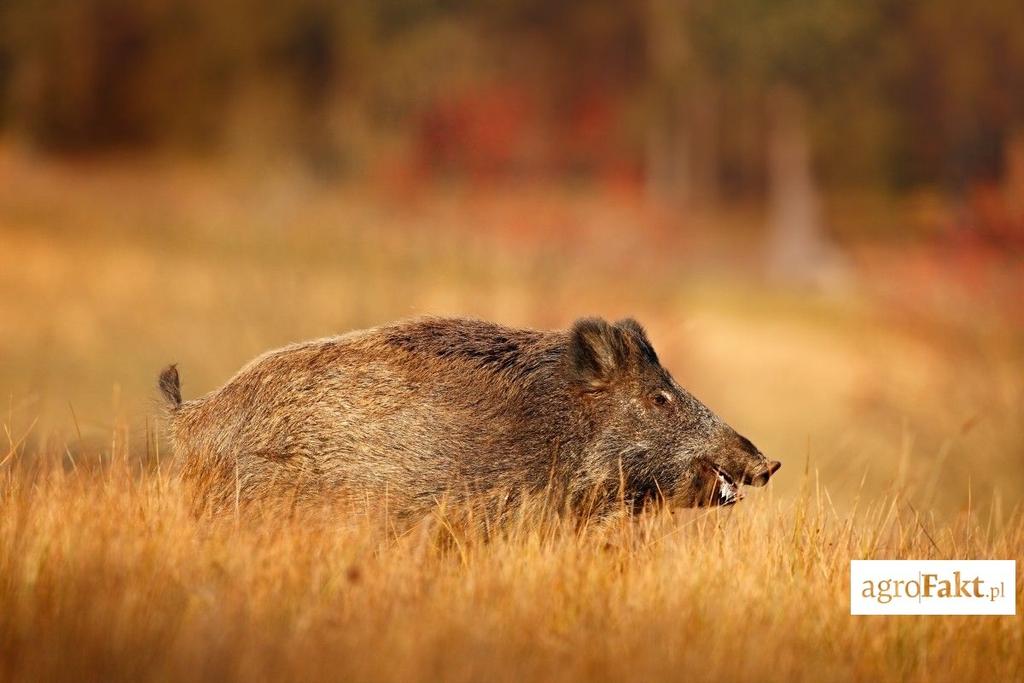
645 429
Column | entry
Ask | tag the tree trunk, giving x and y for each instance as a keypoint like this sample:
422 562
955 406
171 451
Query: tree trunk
704 151
799 249
667 162
1013 183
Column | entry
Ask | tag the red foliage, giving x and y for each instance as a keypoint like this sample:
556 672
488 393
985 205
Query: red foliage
502 131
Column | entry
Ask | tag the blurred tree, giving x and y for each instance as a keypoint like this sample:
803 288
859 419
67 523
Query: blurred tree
799 249
792 53
962 79
682 154
669 162
582 60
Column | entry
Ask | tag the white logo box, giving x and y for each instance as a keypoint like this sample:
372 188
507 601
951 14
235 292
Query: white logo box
933 587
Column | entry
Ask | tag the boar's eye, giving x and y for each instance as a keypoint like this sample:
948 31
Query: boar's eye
661 398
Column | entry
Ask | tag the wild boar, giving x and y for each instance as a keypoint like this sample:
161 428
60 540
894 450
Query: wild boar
432 408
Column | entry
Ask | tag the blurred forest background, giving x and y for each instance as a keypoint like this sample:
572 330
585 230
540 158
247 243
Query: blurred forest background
816 208
698 102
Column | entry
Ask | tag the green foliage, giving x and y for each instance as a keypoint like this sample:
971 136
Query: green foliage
810 45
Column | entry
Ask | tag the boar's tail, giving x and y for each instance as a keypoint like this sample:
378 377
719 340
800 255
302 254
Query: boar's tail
170 386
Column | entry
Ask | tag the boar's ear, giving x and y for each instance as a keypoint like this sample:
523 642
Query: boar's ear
637 337
598 351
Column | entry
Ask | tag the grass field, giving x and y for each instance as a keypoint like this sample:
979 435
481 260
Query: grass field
896 405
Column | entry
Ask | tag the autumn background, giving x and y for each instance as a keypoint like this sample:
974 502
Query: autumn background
817 209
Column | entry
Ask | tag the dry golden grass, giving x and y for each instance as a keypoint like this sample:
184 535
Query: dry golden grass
897 408
105 576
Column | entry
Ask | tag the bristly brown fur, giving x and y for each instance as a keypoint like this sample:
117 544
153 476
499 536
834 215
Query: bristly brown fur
432 408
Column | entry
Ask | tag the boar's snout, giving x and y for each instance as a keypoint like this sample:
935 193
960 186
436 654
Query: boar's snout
763 474
757 469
